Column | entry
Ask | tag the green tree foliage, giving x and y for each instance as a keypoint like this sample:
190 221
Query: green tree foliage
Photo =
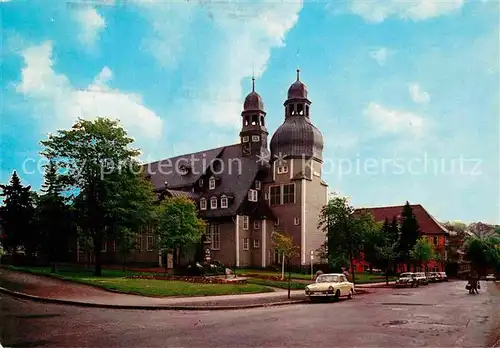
422 252
53 218
99 166
483 253
284 244
178 226
126 243
409 233
17 216
345 231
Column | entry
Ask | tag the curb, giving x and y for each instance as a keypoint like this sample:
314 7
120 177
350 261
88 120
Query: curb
139 307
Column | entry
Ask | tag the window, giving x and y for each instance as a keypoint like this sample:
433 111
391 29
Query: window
245 222
289 193
255 138
149 243
252 195
296 221
256 225
277 222
245 139
114 245
213 203
435 240
104 247
211 183
266 196
203 204
282 169
223 202
257 185
200 183
138 243
213 234
275 195
256 244
245 243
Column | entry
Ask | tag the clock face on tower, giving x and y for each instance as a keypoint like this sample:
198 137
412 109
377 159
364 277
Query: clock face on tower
246 149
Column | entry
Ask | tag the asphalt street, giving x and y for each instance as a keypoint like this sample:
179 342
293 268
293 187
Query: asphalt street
439 315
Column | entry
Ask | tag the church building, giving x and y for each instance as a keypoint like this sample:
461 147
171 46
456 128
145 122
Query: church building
248 190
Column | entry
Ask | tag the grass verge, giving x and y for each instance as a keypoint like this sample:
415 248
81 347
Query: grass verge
277 284
115 280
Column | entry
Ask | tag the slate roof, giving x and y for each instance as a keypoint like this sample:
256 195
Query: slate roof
236 179
428 224
165 170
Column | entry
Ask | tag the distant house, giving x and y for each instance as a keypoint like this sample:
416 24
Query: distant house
429 227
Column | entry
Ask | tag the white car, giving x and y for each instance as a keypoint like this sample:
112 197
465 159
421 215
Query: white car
330 285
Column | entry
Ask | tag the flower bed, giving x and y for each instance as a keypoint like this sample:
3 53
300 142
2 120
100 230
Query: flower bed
190 279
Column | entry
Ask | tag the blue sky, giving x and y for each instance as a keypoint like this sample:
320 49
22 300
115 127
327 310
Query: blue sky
393 85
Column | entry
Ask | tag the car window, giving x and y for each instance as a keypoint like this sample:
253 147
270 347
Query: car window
342 279
327 279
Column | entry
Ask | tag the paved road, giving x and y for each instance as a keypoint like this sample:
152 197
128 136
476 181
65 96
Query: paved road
440 315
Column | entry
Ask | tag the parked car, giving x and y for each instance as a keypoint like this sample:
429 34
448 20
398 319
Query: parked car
490 277
432 277
442 276
421 278
330 285
407 279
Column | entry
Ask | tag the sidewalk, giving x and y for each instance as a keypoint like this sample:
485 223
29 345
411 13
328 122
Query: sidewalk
52 290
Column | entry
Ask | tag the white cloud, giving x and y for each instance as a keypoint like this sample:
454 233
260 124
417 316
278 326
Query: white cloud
417 94
377 11
395 121
248 31
91 24
58 103
381 55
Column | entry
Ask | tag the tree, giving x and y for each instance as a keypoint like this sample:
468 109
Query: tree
422 251
178 226
409 233
373 235
53 218
284 244
387 255
126 242
482 253
100 168
17 216
344 229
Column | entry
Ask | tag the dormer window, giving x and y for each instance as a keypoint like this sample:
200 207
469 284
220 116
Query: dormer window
257 185
213 203
183 170
282 169
203 204
252 195
200 183
256 225
245 139
255 138
211 183
223 202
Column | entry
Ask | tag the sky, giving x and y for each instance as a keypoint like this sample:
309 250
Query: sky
405 93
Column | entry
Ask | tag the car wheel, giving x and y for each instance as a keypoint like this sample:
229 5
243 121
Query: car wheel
351 294
337 295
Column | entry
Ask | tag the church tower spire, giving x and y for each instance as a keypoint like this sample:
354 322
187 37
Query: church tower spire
253 133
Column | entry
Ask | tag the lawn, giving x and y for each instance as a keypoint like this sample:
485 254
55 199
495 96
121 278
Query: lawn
360 278
277 284
115 280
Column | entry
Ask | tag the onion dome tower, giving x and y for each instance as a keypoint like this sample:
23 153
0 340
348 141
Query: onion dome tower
297 137
253 135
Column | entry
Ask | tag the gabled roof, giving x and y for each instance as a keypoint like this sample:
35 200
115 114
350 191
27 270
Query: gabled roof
166 170
236 179
428 224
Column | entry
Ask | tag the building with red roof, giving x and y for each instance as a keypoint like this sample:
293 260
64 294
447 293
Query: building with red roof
429 227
